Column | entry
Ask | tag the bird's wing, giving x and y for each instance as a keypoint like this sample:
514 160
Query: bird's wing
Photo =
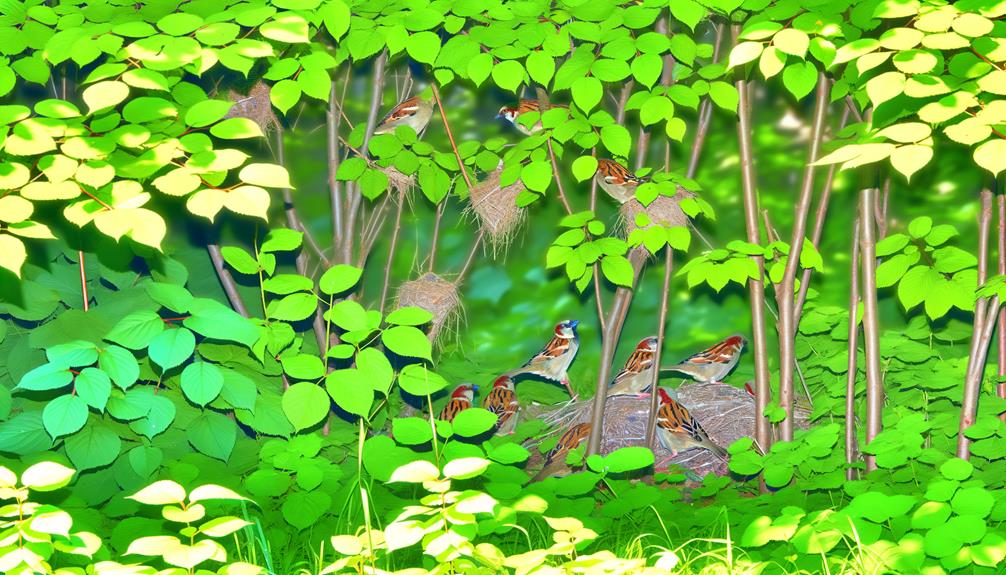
569 441
502 402
452 409
553 349
401 111
720 353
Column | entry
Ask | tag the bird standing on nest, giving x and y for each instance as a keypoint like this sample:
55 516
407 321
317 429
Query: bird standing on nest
636 376
554 359
414 112
555 460
713 364
461 399
677 430
502 400
513 113
616 180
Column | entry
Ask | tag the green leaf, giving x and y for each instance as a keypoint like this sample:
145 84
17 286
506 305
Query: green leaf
616 139
724 95
336 16
294 307
236 129
473 422
409 315
412 430
508 74
423 47
956 468
799 78
74 353
213 434
339 278
305 404
240 260
136 330
285 94
303 509
350 390
202 382
920 227
407 341
92 447
94 387
420 381
214 320
45 377
587 93
64 415
687 12
541 67
584 168
617 270
172 347
207 112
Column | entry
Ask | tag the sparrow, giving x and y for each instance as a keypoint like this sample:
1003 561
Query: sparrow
555 459
414 112
511 113
461 399
502 400
713 364
553 360
637 374
677 430
617 180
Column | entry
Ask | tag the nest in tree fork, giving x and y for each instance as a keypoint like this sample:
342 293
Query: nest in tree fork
437 296
725 412
255 106
664 210
399 181
495 206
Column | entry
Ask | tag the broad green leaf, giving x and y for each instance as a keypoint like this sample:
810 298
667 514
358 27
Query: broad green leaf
172 347
202 382
407 341
305 404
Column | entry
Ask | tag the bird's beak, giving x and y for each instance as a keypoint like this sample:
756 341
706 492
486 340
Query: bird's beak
573 323
475 387
499 116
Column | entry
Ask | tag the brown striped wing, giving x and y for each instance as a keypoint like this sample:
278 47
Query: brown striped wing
674 418
402 110
615 173
453 408
720 353
569 440
503 402
639 361
553 349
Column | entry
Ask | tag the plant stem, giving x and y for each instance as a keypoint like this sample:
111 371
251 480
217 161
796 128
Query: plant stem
332 125
763 435
353 196
558 180
1001 269
436 234
850 378
450 135
979 341
651 422
391 251
786 291
83 281
705 114
226 280
871 321
471 257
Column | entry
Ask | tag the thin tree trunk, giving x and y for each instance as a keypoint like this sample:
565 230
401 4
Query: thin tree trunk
871 321
353 196
85 298
651 423
705 113
1001 269
979 341
333 124
851 449
391 250
763 433
226 280
786 295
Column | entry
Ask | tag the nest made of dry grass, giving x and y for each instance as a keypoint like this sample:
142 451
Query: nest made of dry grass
495 207
400 182
725 412
255 105
664 210
437 296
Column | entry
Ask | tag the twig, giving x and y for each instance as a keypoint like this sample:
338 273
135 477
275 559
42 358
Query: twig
226 280
333 123
83 281
436 235
450 135
558 180
1001 269
391 251
871 322
471 257
705 113
850 379
651 423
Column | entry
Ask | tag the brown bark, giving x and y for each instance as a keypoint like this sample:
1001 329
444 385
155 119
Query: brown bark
391 251
851 449
786 294
756 288
226 280
871 322
651 423
981 333
705 114
1001 269
85 298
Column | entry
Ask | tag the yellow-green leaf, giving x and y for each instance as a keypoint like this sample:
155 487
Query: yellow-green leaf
15 209
791 41
992 155
885 87
12 254
104 95
771 61
13 175
207 203
265 175
969 131
906 133
911 158
46 476
164 492
744 53
248 201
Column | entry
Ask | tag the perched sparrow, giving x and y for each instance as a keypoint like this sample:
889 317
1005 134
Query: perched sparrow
617 180
511 113
502 400
637 374
677 430
415 112
555 459
461 399
553 360
713 364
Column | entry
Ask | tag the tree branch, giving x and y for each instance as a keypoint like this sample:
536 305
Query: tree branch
705 113
391 250
651 422
851 449
871 321
1001 269
226 280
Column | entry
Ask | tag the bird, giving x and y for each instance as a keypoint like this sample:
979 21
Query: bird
502 400
636 376
677 430
414 112
461 399
512 113
713 364
617 180
555 459
553 360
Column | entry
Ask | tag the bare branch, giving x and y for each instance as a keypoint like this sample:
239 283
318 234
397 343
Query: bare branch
871 321
851 449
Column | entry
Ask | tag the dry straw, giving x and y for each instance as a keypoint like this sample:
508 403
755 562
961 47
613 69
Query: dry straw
437 296
495 207
664 210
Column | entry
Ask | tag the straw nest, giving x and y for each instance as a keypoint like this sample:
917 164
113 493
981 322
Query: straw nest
495 207
725 412
256 106
437 296
664 210
400 182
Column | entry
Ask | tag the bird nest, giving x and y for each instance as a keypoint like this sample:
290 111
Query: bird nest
401 183
495 206
437 296
725 412
664 210
256 106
